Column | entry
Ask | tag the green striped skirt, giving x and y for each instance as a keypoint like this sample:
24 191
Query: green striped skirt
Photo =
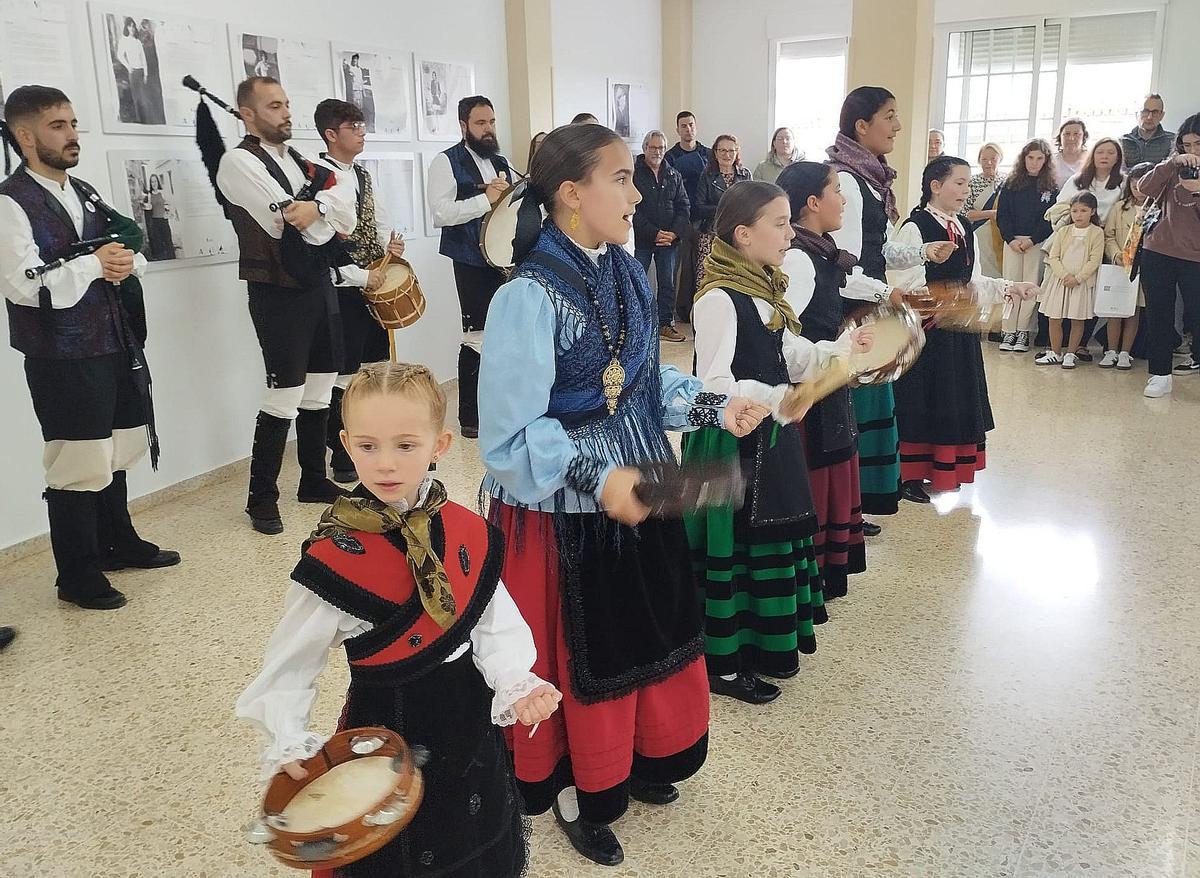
878 449
760 597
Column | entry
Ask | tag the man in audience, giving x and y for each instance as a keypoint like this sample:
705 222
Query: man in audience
1148 141
661 219
465 182
689 157
937 143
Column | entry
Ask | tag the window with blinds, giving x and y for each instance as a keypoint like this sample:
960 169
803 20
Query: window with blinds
1007 85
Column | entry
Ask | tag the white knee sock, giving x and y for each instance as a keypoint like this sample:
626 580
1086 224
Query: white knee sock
568 805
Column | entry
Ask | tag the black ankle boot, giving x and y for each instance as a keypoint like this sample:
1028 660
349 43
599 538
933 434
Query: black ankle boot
76 548
120 545
262 504
592 840
339 461
315 487
652 793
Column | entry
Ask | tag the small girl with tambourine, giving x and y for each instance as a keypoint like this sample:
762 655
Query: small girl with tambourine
409 584
757 564
942 408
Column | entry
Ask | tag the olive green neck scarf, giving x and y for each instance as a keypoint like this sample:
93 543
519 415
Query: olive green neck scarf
727 269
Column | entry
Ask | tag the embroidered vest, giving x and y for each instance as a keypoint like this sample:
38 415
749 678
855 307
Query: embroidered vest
461 242
367 576
90 327
365 240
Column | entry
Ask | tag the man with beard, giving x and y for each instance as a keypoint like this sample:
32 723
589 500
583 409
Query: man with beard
465 182
79 350
296 320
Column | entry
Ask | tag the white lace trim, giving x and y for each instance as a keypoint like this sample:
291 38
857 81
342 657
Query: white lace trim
502 704
280 753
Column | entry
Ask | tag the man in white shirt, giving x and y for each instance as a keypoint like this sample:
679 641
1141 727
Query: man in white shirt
465 182
344 130
267 187
82 356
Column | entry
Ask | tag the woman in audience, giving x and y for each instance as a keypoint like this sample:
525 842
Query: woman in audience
1071 141
783 153
867 132
1122 232
1102 177
981 208
1020 214
1171 252
536 144
723 170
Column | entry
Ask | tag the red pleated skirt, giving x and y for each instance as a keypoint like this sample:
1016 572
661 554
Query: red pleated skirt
840 548
656 721
946 466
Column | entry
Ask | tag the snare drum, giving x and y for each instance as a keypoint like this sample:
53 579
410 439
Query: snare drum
363 788
399 302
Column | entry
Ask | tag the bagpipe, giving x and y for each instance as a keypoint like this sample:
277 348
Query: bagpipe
302 260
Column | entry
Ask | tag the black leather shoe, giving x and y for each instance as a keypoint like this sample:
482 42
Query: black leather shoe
105 600
784 675
7 636
161 558
914 492
593 840
1084 355
871 529
265 523
469 432
652 793
746 687
345 476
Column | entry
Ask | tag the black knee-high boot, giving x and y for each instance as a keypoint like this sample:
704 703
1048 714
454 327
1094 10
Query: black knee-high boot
74 541
262 504
339 460
468 391
120 545
315 487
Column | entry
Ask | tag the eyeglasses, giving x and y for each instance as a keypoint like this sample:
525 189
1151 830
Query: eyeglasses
355 126
1146 111
726 151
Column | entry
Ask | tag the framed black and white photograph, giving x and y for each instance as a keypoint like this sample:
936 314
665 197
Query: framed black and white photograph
379 83
37 45
169 195
394 180
141 56
630 112
440 86
301 65
427 160
618 109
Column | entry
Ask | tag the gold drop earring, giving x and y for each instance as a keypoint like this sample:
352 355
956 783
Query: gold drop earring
574 223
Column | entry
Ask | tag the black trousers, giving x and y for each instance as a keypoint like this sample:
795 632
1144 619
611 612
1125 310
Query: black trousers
1164 277
363 340
86 398
476 287
299 331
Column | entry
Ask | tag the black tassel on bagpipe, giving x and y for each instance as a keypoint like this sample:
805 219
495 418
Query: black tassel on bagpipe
208 135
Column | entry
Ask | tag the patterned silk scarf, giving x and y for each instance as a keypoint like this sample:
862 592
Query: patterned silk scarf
373 516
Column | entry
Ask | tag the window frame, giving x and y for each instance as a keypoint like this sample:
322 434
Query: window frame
941 57
774 45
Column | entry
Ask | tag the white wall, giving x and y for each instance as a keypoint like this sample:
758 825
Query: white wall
208 373
621 39
732 52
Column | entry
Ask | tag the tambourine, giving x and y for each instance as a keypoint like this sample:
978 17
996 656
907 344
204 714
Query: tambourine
950 304
899 340
363 788
399 301
500 228
671 490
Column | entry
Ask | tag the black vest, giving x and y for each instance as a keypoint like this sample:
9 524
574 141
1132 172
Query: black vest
874 232
779 492
461 242
90 327
961 264
822 317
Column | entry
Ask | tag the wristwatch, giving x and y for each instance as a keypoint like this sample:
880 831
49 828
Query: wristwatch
321 208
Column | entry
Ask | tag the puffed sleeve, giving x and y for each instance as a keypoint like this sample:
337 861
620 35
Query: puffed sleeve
279 701
524 449
910 278
503 650
715 322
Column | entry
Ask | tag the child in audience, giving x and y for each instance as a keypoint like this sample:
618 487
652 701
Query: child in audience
408 583
1022 202
1076 251
1122 232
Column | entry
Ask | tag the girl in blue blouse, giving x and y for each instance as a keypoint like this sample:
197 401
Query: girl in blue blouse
572 401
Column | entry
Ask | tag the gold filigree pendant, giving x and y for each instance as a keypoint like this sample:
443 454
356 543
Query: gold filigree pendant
613 380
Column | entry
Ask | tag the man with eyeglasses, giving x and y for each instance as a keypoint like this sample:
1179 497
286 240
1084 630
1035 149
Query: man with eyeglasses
343 127
662 218
1149 141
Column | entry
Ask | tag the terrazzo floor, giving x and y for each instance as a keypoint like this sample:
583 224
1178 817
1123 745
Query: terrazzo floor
1012 689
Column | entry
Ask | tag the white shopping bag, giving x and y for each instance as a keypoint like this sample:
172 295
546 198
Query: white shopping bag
1116 294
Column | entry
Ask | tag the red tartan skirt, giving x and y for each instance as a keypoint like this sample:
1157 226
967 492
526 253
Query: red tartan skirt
600 739
946 466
